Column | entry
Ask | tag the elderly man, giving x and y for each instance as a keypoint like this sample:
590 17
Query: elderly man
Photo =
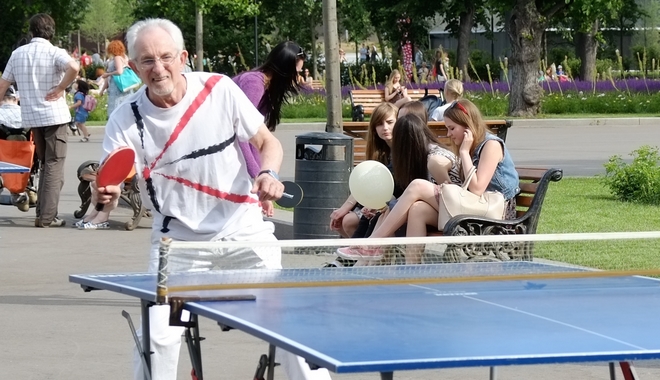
185 130
42 73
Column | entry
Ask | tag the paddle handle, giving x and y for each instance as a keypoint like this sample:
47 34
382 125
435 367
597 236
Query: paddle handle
287 195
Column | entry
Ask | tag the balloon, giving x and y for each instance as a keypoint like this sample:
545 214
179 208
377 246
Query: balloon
371 184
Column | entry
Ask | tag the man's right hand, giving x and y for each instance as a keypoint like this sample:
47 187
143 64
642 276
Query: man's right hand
107 194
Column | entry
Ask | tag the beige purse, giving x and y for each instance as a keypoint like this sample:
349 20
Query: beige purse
458 200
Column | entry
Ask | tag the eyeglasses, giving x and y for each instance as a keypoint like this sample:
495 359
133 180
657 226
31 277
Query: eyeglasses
459 106
165 60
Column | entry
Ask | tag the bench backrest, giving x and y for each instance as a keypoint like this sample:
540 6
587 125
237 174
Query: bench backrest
370 99
358 130
317 84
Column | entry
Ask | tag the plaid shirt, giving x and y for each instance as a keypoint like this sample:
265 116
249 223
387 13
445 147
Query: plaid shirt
37 68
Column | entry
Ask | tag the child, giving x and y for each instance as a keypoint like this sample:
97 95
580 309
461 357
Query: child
81 113
11 129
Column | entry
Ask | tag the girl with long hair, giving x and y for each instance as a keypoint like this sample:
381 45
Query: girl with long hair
379 139
268 87
476 147
395 91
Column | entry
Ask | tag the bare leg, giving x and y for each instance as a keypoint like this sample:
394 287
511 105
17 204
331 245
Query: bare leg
349 224
418 190
83 129
99 216
420 215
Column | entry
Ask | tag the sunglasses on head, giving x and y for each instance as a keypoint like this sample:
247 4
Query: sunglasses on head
301 53
459 106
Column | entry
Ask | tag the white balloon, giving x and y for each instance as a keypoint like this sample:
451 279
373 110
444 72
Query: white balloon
371 184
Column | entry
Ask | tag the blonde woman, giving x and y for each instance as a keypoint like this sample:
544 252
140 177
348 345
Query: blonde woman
453 91
395 92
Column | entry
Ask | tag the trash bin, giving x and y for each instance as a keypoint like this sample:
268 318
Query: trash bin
323 165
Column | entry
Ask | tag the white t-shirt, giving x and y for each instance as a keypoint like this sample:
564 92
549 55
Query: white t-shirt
201 180
439 113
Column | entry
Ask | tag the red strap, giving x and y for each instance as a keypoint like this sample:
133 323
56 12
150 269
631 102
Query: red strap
199 100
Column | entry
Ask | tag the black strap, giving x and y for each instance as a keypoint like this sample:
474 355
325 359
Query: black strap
150 185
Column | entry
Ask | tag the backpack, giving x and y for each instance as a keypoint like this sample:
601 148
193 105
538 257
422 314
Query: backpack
90 103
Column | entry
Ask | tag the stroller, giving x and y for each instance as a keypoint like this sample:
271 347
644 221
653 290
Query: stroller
17 147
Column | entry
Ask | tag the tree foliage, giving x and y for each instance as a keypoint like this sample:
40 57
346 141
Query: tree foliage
15 14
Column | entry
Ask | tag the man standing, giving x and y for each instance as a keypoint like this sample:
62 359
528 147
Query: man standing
185 130
42 73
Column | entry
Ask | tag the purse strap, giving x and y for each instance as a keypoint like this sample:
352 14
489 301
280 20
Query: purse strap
469 177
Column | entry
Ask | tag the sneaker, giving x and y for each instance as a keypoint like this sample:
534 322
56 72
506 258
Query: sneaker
57 222
79 223
84 139
94 226
360 253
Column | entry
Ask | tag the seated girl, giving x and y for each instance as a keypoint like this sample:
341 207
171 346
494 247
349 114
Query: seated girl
379 140
453 91
475 147
395 92
416 157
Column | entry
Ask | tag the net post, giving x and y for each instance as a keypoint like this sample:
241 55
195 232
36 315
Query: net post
161 287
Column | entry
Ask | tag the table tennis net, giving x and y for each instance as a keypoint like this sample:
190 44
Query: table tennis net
194 268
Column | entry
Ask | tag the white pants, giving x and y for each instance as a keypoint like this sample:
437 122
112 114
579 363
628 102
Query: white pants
166 340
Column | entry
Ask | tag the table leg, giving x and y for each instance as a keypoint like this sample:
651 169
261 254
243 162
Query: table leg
628 370
271 362
146 335
193 341
387 376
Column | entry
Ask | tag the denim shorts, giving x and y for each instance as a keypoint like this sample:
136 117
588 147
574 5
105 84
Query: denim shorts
81 117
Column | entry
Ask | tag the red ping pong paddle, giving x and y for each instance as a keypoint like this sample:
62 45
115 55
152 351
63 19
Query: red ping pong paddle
114 169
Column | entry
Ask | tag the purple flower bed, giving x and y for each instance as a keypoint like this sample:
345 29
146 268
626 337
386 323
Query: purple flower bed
632 85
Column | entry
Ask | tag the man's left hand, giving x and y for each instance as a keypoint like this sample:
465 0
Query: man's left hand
268 188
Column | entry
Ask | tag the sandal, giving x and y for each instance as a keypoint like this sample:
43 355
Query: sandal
94 226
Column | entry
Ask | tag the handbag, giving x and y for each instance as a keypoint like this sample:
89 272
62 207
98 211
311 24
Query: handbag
127 80
458 200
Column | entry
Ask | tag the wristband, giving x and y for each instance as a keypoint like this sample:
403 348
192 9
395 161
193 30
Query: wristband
270 172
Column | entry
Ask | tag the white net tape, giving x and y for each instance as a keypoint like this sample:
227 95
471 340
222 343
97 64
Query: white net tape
196 268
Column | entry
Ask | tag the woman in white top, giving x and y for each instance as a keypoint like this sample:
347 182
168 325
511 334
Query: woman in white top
453 91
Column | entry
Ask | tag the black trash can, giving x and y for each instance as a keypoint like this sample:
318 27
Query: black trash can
323 165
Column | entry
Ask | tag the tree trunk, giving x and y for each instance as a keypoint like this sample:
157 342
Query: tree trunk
381 45
332 76
587 46
199 39
464 33
315 54
525 30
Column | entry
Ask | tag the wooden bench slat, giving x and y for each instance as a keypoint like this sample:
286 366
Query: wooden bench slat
528 187
524 201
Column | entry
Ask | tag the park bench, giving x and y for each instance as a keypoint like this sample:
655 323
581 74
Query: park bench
363 102
358 130
317 84
534 184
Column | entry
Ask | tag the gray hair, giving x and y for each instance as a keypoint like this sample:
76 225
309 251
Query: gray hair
140 26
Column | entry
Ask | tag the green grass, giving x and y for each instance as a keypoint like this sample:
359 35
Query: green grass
585 205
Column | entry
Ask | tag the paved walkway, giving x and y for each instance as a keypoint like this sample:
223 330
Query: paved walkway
51 330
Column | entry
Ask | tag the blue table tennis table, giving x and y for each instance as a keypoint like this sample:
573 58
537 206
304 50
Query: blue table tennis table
6 167
388 328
